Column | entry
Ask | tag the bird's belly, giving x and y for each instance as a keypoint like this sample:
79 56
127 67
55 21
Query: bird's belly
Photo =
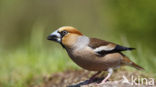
90 61
89 64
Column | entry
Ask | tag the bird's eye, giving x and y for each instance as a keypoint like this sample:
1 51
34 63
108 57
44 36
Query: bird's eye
64 33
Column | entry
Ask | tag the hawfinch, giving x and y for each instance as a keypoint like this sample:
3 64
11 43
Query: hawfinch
91 53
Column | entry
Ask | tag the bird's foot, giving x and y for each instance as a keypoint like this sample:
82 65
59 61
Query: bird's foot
93 77
101 83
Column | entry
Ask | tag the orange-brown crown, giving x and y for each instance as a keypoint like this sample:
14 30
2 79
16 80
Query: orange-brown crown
70 29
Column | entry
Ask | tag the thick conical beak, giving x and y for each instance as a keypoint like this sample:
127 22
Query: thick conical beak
55 36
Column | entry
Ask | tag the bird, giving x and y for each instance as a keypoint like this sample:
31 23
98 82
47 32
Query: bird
92 54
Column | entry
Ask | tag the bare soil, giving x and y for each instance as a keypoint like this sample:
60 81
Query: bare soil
79 78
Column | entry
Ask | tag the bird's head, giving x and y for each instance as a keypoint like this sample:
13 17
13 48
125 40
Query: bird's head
65 35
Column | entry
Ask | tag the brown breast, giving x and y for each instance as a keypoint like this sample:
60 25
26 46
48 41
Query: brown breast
87 59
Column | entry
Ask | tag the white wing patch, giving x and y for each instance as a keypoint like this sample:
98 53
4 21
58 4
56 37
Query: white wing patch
103 48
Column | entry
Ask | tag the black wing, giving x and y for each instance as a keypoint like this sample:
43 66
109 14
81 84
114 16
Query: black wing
102 47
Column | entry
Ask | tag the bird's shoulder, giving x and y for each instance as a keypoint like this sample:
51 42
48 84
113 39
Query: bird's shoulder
95 43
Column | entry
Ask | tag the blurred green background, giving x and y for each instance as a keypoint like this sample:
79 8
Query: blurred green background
26 55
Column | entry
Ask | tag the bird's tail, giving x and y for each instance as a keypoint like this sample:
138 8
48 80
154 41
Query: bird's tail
127 61
137 66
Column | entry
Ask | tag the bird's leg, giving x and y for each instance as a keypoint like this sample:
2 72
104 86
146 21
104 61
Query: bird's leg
91 78
110 71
